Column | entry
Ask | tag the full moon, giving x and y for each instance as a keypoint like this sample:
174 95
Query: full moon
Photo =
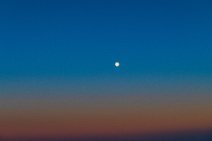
117 64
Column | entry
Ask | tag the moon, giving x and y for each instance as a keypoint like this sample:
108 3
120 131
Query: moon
117 64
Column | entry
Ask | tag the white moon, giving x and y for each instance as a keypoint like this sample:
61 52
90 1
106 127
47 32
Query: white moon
117 64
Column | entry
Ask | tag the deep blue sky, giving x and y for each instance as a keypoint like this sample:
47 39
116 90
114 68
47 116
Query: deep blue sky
57 73
79 38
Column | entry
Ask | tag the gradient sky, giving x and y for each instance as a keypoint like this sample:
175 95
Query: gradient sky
57 74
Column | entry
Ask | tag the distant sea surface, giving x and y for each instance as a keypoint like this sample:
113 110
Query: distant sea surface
195 136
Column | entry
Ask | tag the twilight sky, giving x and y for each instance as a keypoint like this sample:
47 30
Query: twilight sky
57 73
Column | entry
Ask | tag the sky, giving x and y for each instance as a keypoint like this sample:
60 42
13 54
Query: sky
57 73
